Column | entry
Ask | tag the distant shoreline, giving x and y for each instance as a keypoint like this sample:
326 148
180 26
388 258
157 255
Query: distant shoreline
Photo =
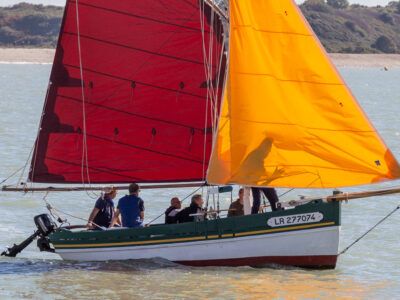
366 60
45 56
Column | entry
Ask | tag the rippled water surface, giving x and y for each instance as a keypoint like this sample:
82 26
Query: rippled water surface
369 270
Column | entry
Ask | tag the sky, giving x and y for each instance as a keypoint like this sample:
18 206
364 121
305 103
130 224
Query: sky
62 2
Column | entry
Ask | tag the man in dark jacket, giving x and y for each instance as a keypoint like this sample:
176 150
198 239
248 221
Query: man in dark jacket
172 211
194 208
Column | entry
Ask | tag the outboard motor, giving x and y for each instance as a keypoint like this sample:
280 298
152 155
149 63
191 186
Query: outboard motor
45 226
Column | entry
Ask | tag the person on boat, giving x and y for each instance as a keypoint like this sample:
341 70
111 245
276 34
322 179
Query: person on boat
131 209
104 210
236 208
195 207
172 211
271 195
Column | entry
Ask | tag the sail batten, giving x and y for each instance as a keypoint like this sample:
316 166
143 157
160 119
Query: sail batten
288 119
128 93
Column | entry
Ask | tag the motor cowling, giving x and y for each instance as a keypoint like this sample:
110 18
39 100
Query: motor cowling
44 224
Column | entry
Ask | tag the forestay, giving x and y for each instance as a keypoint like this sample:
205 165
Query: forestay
130 96
288 119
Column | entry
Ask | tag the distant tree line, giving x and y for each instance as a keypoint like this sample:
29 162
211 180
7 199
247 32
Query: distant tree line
343 4
355 28
341 27
339 4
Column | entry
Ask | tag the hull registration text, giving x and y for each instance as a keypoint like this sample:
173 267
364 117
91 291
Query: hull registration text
295 219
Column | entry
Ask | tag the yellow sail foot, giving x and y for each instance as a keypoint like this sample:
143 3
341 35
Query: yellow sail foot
288 119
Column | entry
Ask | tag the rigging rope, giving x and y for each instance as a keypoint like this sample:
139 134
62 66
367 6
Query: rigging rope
54 213
34 147
75 217
198 189
212 91
368 231
23 167
287 192
85 159
36 144
201 11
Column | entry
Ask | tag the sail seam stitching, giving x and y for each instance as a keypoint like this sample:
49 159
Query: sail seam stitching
289 80
136 49
135 16
131 114
137 82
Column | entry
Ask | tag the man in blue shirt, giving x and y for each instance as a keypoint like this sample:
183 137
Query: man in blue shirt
131 208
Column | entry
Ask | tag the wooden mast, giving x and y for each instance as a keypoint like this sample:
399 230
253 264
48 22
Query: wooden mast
217 9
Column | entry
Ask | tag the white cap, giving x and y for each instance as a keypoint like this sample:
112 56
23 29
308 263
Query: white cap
108 189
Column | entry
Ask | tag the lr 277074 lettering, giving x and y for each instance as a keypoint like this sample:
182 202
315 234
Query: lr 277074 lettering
295 219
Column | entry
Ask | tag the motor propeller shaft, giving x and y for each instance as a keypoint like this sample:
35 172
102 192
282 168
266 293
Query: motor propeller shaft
44 226
17 248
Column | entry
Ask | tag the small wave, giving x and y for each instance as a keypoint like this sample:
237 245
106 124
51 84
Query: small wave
10 229
23 266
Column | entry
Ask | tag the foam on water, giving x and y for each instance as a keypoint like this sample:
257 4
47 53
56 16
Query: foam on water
371 269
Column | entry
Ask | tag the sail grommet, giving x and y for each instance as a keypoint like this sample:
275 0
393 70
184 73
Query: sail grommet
181 86
116 132
133 86
191 138
153 133
91 84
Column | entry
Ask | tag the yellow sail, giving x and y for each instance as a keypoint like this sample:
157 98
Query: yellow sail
288 119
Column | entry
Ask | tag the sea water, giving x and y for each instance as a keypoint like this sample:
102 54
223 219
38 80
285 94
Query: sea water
369 270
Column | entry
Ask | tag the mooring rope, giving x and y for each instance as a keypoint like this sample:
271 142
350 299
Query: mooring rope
368 231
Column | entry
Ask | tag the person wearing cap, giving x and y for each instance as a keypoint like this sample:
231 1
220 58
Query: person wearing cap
104 210
131 209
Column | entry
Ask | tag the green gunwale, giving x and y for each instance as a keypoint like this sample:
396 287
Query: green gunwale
224 228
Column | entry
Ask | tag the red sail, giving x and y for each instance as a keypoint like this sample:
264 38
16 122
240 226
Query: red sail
143 98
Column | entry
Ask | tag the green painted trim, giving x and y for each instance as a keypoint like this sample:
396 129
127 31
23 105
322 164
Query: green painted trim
225 228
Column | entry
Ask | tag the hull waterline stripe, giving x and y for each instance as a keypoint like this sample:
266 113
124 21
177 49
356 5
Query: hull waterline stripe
193 238
308 261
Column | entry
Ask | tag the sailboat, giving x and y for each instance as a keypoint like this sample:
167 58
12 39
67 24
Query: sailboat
172 93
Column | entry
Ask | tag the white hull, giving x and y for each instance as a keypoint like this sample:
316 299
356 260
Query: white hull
294 246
